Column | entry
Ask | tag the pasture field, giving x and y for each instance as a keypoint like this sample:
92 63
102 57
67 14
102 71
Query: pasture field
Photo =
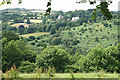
68 75
34 21
38 11
18 24
10 23
34 34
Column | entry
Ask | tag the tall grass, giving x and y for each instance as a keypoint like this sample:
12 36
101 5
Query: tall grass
50 72
12 73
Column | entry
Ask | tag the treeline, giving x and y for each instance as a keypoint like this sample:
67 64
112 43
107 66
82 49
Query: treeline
16 52
51 23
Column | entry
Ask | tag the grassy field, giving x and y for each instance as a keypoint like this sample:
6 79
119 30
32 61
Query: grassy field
34 34
38 11
68 75
18 24
34 21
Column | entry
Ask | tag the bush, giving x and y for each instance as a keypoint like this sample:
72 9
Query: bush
12 73
56 41
73 28
29 39
32 43
32 37
38 38
26 67
38 44
53 56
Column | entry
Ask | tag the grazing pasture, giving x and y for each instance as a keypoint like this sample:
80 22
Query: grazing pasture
34 21
34 34
68 75
18 24
35 11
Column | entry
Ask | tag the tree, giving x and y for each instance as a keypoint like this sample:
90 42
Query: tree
9 28
28 21
4 25
9 35
26 67
31 29
54 57
32 37
14 52
21 29
11 55
52 30
56 41
99 58
18 20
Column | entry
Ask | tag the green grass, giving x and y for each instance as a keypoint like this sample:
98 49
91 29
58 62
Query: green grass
34 34
76 75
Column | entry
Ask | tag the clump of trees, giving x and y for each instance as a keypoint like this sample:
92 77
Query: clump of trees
15 52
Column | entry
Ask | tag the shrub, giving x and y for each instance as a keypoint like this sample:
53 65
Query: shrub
32 37
110 25
26 67
53 56
56 41
38 38
38 45
12 73
73 28
32 43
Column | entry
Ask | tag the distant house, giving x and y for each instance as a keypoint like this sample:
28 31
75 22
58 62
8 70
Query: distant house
75 18
60 17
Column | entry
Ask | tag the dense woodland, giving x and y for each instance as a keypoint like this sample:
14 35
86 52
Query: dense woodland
79 45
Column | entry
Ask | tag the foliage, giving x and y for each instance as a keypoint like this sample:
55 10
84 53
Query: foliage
32 37
26 67
56 41
9 35
12 73
14 52
28 21
53 56
73 43
99 58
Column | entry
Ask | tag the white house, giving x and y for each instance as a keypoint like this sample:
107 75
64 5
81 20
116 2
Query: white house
60 17
75 18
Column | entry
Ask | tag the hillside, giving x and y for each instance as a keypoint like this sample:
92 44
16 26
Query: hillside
80 44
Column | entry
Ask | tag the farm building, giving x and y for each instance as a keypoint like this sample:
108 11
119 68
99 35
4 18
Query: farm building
75 18
60 17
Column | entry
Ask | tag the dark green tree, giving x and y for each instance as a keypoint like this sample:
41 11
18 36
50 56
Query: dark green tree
28 21
9 35
55 57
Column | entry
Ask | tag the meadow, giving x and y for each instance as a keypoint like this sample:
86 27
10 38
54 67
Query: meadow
18 24
76 75
34 21
68 75
33 34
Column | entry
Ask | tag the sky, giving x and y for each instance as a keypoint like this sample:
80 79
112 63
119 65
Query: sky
64 5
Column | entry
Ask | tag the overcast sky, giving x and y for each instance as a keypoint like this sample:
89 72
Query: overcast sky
64 5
